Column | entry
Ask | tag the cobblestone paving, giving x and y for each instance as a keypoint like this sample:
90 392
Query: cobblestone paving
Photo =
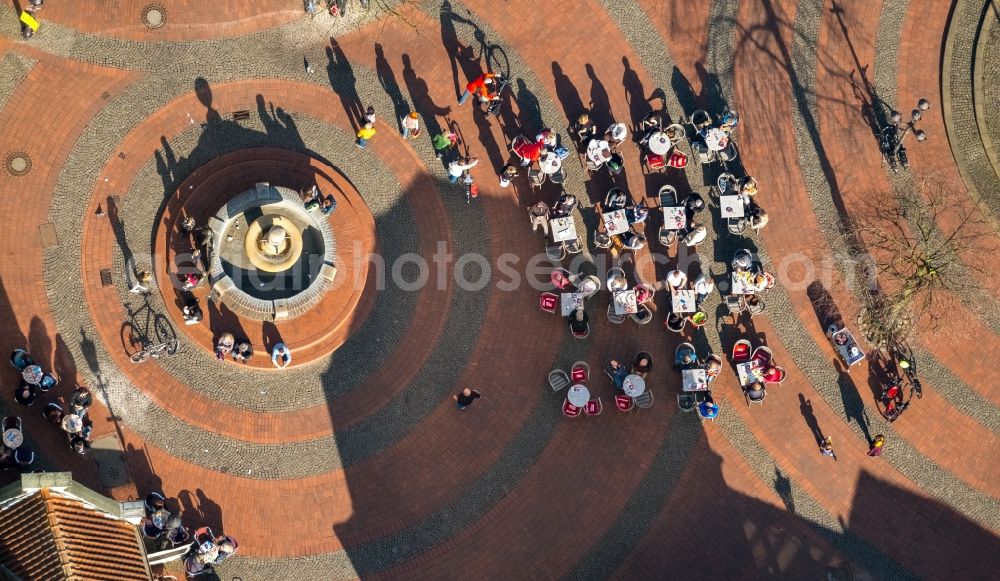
509 488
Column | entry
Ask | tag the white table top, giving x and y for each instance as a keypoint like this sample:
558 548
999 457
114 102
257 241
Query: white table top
578 395
616 222
674 217
731 206
625 303
594 151
634 386
741 284
563 229
570 302
716 139
747 374
550 163
32 374
13 438
693 380
683 301
659 144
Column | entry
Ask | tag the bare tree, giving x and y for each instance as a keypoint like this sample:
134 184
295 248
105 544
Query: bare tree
916 239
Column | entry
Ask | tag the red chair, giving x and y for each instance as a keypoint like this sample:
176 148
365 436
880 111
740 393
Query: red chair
570 410
741 351
762 356
654 162
678 160
548 302
561 278
778 377
580 372
623 403
593 407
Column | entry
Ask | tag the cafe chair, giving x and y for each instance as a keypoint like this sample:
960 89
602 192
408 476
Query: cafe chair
556 252
643 316
558 177
584 334
588 286
709 376
742 260
736 305
150 530
762 356
736 226
653 162
725 185
780 378
702 152
21 360
561 278
679 356
593 407
24 456
616 199
623 403
536 178
616 279
151 498
548 302
574 246
613 316
755 305
701 119
179 536
558 380
754 396
679 133
686 402
645 400
667 236
668 196
675 323
602 240
580 372
569 410
11 423
48 381
728 153
741 351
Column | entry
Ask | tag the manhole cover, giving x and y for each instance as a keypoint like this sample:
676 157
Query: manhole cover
154 16
18 163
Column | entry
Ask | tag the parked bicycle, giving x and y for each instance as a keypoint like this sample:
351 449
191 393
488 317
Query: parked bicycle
153 334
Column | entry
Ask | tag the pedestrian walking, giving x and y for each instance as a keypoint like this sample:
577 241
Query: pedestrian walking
878 444
370 114
140 286
507 173
826 447
465 399
459 167
411 125
364 135
442 142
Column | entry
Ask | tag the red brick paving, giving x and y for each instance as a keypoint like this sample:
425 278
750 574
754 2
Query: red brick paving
534 519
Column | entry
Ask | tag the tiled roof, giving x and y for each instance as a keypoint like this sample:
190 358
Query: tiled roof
48 537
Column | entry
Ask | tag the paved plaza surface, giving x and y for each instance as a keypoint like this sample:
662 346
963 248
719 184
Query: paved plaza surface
119 119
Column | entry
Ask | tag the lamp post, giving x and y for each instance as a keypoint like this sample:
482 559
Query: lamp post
915 115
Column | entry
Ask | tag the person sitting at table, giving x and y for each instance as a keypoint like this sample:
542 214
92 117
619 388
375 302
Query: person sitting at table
559 279
686 359
192 312
243 352
616 135
703 286
618 373
224 346
642 366
758 217
25 393
529 151
579 321
599 152
693 204
564 205
708 408
633 240
190 280
758 282
539 214
676 280
281 356
712 368
548 138
643 294
755 391
53 413
696 235
584 129
729 121
748 189
771 374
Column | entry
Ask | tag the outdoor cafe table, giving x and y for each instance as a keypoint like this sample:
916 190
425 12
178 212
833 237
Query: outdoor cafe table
550 163
659 143
716 139
13 438
731 206
563 229
570 302
633 386
749 372
741 284
625 302
578 395
693 380
32 374
674 217
683 301
616 222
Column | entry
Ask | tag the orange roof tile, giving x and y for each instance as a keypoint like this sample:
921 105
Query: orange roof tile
47 536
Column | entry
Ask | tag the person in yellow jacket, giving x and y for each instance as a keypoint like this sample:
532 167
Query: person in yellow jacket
364 134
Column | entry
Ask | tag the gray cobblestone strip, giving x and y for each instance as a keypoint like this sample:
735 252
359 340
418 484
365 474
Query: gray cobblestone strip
958 88
808 357
643 508
14 68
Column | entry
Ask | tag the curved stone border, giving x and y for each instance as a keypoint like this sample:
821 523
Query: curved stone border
959 94
985 94
264 195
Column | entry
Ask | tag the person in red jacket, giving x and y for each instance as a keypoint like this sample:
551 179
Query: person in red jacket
483 85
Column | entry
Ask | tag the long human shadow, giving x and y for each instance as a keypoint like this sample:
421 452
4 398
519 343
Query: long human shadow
459 55
566 92
806 409
420 93
345 83
600 103
386 78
